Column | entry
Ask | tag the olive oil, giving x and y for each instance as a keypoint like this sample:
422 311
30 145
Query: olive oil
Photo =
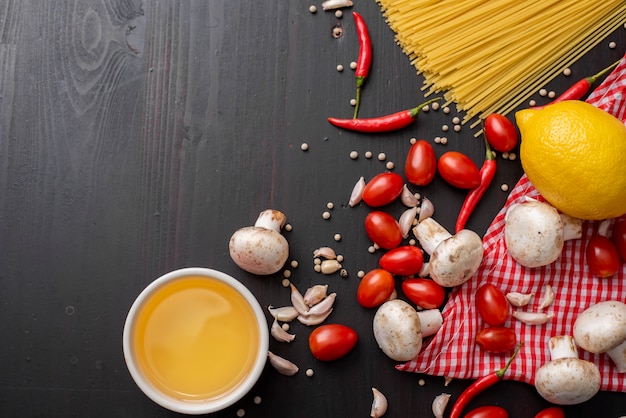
196 338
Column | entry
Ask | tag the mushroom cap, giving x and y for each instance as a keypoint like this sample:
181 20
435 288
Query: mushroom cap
398 330
456 258
567 381
601 327
258 250
533 233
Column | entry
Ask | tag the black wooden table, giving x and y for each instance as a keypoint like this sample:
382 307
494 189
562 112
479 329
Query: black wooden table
136 137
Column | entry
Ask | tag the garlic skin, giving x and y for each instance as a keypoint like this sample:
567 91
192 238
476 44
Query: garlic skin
280 334
282 366
518 299
315 294
379 404
439 404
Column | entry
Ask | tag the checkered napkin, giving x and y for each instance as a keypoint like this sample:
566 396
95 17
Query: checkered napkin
453 352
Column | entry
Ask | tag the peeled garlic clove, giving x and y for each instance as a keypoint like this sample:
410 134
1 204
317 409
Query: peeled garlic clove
315 294
427 209
357 193
330 266
532 318
280 334
407 198
440 403
519 299
325 252
323 306
310 320
547 297
297 300
284 314
379 404
406 221
283 366
336 4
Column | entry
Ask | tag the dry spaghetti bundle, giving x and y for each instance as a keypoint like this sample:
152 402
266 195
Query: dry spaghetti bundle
488 56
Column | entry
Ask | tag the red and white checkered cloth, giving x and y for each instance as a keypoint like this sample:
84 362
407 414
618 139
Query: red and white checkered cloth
453 352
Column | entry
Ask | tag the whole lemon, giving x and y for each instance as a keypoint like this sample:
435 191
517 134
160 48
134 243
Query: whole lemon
575 156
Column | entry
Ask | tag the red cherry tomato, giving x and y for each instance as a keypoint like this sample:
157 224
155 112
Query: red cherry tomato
496 339
421 163
383 189
552 412
602 256
405 260
487 412
375 288
332 341
458 170
383 230
424 292
492 305
500 133
619 237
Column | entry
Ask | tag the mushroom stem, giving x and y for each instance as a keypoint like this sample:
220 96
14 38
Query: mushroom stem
431 321
618 355
271 219
572 227
430 234
562 346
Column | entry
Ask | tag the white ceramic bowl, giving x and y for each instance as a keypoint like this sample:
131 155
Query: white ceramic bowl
195 407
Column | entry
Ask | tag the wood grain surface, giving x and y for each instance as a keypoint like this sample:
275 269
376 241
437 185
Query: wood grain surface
137 136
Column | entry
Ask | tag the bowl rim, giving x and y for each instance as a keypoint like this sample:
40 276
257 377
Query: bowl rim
196 407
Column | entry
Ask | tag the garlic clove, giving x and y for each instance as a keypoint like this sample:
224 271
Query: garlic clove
406 221
315 294
427 209
317 319
336 4
407 198
547 298
325 252
297 300
323 306
280 334
283 314
330 266
357 193
532 318
379 404
518 299
439 404
282 365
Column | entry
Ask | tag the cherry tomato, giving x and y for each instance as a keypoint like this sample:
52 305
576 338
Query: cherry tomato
383 230
487 412
424 292
496 339
492 305
421 163
458 170
332 341
552 412
500 133
375 288
405 260
619 237
602 256
383 189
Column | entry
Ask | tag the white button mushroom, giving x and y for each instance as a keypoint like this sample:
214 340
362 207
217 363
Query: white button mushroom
453 258
566 379
534 233
261 249
399 328
601 328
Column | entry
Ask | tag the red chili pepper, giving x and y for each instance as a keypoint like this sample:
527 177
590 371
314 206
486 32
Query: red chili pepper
364 60
487 173
580 88
479 386
385 123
